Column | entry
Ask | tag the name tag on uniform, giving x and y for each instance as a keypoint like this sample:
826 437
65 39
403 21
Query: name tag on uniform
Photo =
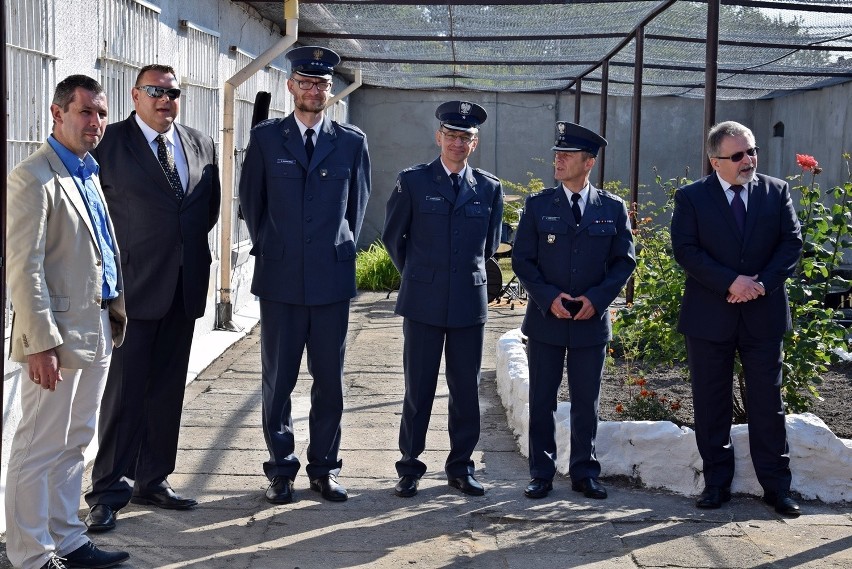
434 199
284 161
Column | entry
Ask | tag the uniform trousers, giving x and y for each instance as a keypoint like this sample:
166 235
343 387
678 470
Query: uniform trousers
286 332
462 348
711 368
46 461
585 367
142 405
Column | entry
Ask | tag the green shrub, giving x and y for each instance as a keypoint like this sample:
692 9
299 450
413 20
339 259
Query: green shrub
374 269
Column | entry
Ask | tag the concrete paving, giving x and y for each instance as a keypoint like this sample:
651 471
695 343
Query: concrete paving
220 464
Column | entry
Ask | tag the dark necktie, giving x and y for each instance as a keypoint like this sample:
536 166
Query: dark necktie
167 161
575 207
309 143
456 186
738 207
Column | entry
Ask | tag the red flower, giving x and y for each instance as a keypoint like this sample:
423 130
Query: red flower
619 408
806 162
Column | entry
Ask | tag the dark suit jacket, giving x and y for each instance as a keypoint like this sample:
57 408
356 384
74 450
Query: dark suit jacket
708 245
157 234
304 219
552 254
439 243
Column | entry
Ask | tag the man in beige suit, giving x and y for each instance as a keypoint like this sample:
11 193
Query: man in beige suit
65 284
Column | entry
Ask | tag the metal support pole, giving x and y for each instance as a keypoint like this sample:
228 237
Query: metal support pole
602 127
635 129
224 310
711 74
578 95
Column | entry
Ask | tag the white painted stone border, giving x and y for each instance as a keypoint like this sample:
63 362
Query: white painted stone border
662 455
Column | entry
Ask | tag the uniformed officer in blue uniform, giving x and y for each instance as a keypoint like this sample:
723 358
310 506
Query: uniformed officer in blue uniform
573 253
443 221
303 190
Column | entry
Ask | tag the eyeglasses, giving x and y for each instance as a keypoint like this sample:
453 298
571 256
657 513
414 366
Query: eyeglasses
308 85
157 92
737 156
466 140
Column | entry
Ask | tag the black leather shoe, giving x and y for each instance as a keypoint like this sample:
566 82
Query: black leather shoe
100 518
280 491
467 484
538 488
406 487
166 499
90 557
330 489
590 487
712 497
783 502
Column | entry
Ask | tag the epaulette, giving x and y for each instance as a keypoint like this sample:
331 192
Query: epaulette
350 127
415 167
609 195
487 174
544 192
266 123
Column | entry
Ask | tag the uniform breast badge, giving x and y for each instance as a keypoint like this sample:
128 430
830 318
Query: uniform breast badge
551 238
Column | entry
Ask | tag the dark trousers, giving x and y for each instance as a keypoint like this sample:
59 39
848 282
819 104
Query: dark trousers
585 367
141 408
462 349
711 367
286 331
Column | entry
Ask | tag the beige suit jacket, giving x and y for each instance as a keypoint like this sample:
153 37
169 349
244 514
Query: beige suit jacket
54 268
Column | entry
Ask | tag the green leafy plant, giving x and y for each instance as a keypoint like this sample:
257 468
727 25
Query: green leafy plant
812 345
512 209
646 328
374 269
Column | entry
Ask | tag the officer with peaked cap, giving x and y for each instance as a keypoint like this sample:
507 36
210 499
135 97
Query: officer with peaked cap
443 221
573 253
303 191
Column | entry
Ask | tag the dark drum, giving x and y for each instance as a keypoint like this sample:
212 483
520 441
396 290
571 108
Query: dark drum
494 278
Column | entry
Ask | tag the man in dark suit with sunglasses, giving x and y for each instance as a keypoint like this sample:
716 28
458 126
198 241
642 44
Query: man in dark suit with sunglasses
161 181
737 236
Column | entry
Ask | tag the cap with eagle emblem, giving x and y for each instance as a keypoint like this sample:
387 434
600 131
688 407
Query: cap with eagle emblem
461 115
571 137
313 61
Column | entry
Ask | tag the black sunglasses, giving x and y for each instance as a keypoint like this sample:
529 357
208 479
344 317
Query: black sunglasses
157 92
737 156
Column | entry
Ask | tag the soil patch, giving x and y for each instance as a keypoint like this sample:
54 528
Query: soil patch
672 385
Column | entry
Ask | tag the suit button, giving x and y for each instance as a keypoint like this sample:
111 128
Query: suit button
308 240
309 219
309 198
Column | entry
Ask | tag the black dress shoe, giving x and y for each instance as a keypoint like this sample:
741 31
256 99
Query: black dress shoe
712 497
280 491
330 489
90 557
467 484
783 502
538 488
100 518
406 487
590 487
166 499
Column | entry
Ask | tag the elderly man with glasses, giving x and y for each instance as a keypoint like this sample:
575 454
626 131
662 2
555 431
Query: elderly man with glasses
443 222
737 236
161 181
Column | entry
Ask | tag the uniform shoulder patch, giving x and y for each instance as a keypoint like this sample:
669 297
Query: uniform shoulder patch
415 167
544 192
349 127
608 195
267 122
487 174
